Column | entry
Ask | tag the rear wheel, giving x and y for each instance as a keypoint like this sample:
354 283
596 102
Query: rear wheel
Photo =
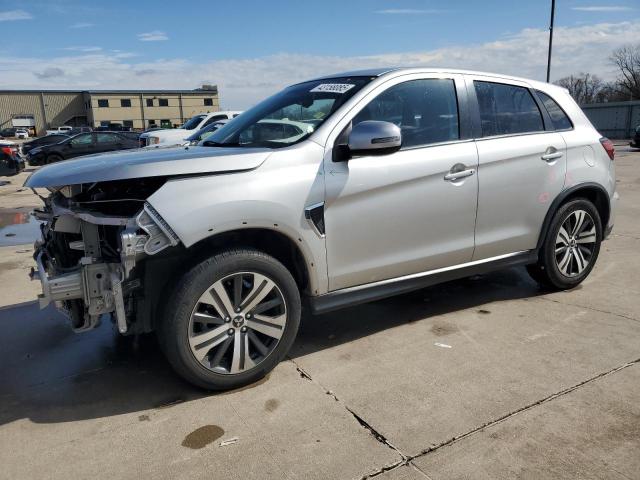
571 247
231 320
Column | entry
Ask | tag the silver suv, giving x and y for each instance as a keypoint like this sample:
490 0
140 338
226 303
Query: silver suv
335 191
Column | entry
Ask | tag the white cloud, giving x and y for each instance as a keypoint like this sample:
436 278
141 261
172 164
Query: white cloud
83 49
154 36
243 82
11 15
82 25
603 8
407 11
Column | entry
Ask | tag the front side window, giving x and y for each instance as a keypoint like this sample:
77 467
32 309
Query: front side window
215 118
288 117
82 139
103 102
507 109
559 119
193 122
425 110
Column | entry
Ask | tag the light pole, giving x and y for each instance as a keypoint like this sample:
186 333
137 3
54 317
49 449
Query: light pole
553 14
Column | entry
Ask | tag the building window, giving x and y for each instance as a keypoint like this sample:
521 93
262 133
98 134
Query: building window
127 123
149 102
163 102
125 102
103 102
104 123
208 102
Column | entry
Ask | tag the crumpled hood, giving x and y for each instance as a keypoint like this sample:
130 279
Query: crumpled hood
143 163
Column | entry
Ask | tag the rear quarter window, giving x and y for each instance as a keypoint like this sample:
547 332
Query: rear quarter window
559 118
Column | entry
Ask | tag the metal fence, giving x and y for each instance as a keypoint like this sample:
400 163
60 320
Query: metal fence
615 119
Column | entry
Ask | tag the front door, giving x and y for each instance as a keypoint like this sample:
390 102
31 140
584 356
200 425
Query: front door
402 213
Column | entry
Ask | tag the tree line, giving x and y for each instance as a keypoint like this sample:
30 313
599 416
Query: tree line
588 88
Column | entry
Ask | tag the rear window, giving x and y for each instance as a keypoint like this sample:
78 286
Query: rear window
559 119
507 109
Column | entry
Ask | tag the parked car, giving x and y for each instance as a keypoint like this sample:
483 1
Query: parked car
635 141
22 133
214 247
175 136
63 129
9 132
10 161
81 144
26 147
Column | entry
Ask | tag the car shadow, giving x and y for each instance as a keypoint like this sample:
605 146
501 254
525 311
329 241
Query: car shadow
49 374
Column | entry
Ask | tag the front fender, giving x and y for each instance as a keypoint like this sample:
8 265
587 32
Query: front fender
271 197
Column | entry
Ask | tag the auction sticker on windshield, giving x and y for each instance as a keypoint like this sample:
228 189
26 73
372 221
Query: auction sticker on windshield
332 87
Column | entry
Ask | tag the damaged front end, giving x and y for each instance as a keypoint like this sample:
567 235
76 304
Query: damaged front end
93 239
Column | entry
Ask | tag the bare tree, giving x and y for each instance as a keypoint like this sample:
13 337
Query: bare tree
627 59
584 87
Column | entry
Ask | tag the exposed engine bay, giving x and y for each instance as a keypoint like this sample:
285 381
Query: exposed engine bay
93 238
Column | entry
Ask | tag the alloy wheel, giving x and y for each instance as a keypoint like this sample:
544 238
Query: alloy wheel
575 243
237 322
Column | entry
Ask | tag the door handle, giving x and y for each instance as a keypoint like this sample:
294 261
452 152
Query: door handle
551 154
453 176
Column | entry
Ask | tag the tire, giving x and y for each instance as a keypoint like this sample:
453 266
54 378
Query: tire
570 248
206 344
53 158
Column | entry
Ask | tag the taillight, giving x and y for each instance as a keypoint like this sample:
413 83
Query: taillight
7 150
608 146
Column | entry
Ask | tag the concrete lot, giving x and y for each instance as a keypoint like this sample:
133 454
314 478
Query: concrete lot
487 377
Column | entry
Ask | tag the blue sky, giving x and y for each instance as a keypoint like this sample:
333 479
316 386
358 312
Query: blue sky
266 44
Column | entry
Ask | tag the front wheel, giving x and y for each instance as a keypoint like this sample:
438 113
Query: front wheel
231 319
53 158
571 247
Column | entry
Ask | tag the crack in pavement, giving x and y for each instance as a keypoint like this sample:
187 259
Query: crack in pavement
404 459
407 459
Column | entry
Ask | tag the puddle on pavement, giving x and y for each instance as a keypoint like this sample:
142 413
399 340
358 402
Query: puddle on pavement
17 227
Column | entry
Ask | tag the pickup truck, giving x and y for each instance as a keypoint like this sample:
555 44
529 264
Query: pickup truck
64 129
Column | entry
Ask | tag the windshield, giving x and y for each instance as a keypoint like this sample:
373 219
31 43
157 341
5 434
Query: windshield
193 122
287 117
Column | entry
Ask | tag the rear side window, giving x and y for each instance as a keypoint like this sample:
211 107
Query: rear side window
107 138
507 109
559 119
425 110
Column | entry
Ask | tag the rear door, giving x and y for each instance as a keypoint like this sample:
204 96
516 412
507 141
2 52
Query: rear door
107 142
522 165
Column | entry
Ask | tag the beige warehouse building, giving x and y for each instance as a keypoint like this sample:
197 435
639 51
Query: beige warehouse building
138 109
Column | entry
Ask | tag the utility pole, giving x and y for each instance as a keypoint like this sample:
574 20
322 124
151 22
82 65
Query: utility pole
553 14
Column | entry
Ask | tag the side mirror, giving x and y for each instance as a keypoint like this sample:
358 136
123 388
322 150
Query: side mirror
373 137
